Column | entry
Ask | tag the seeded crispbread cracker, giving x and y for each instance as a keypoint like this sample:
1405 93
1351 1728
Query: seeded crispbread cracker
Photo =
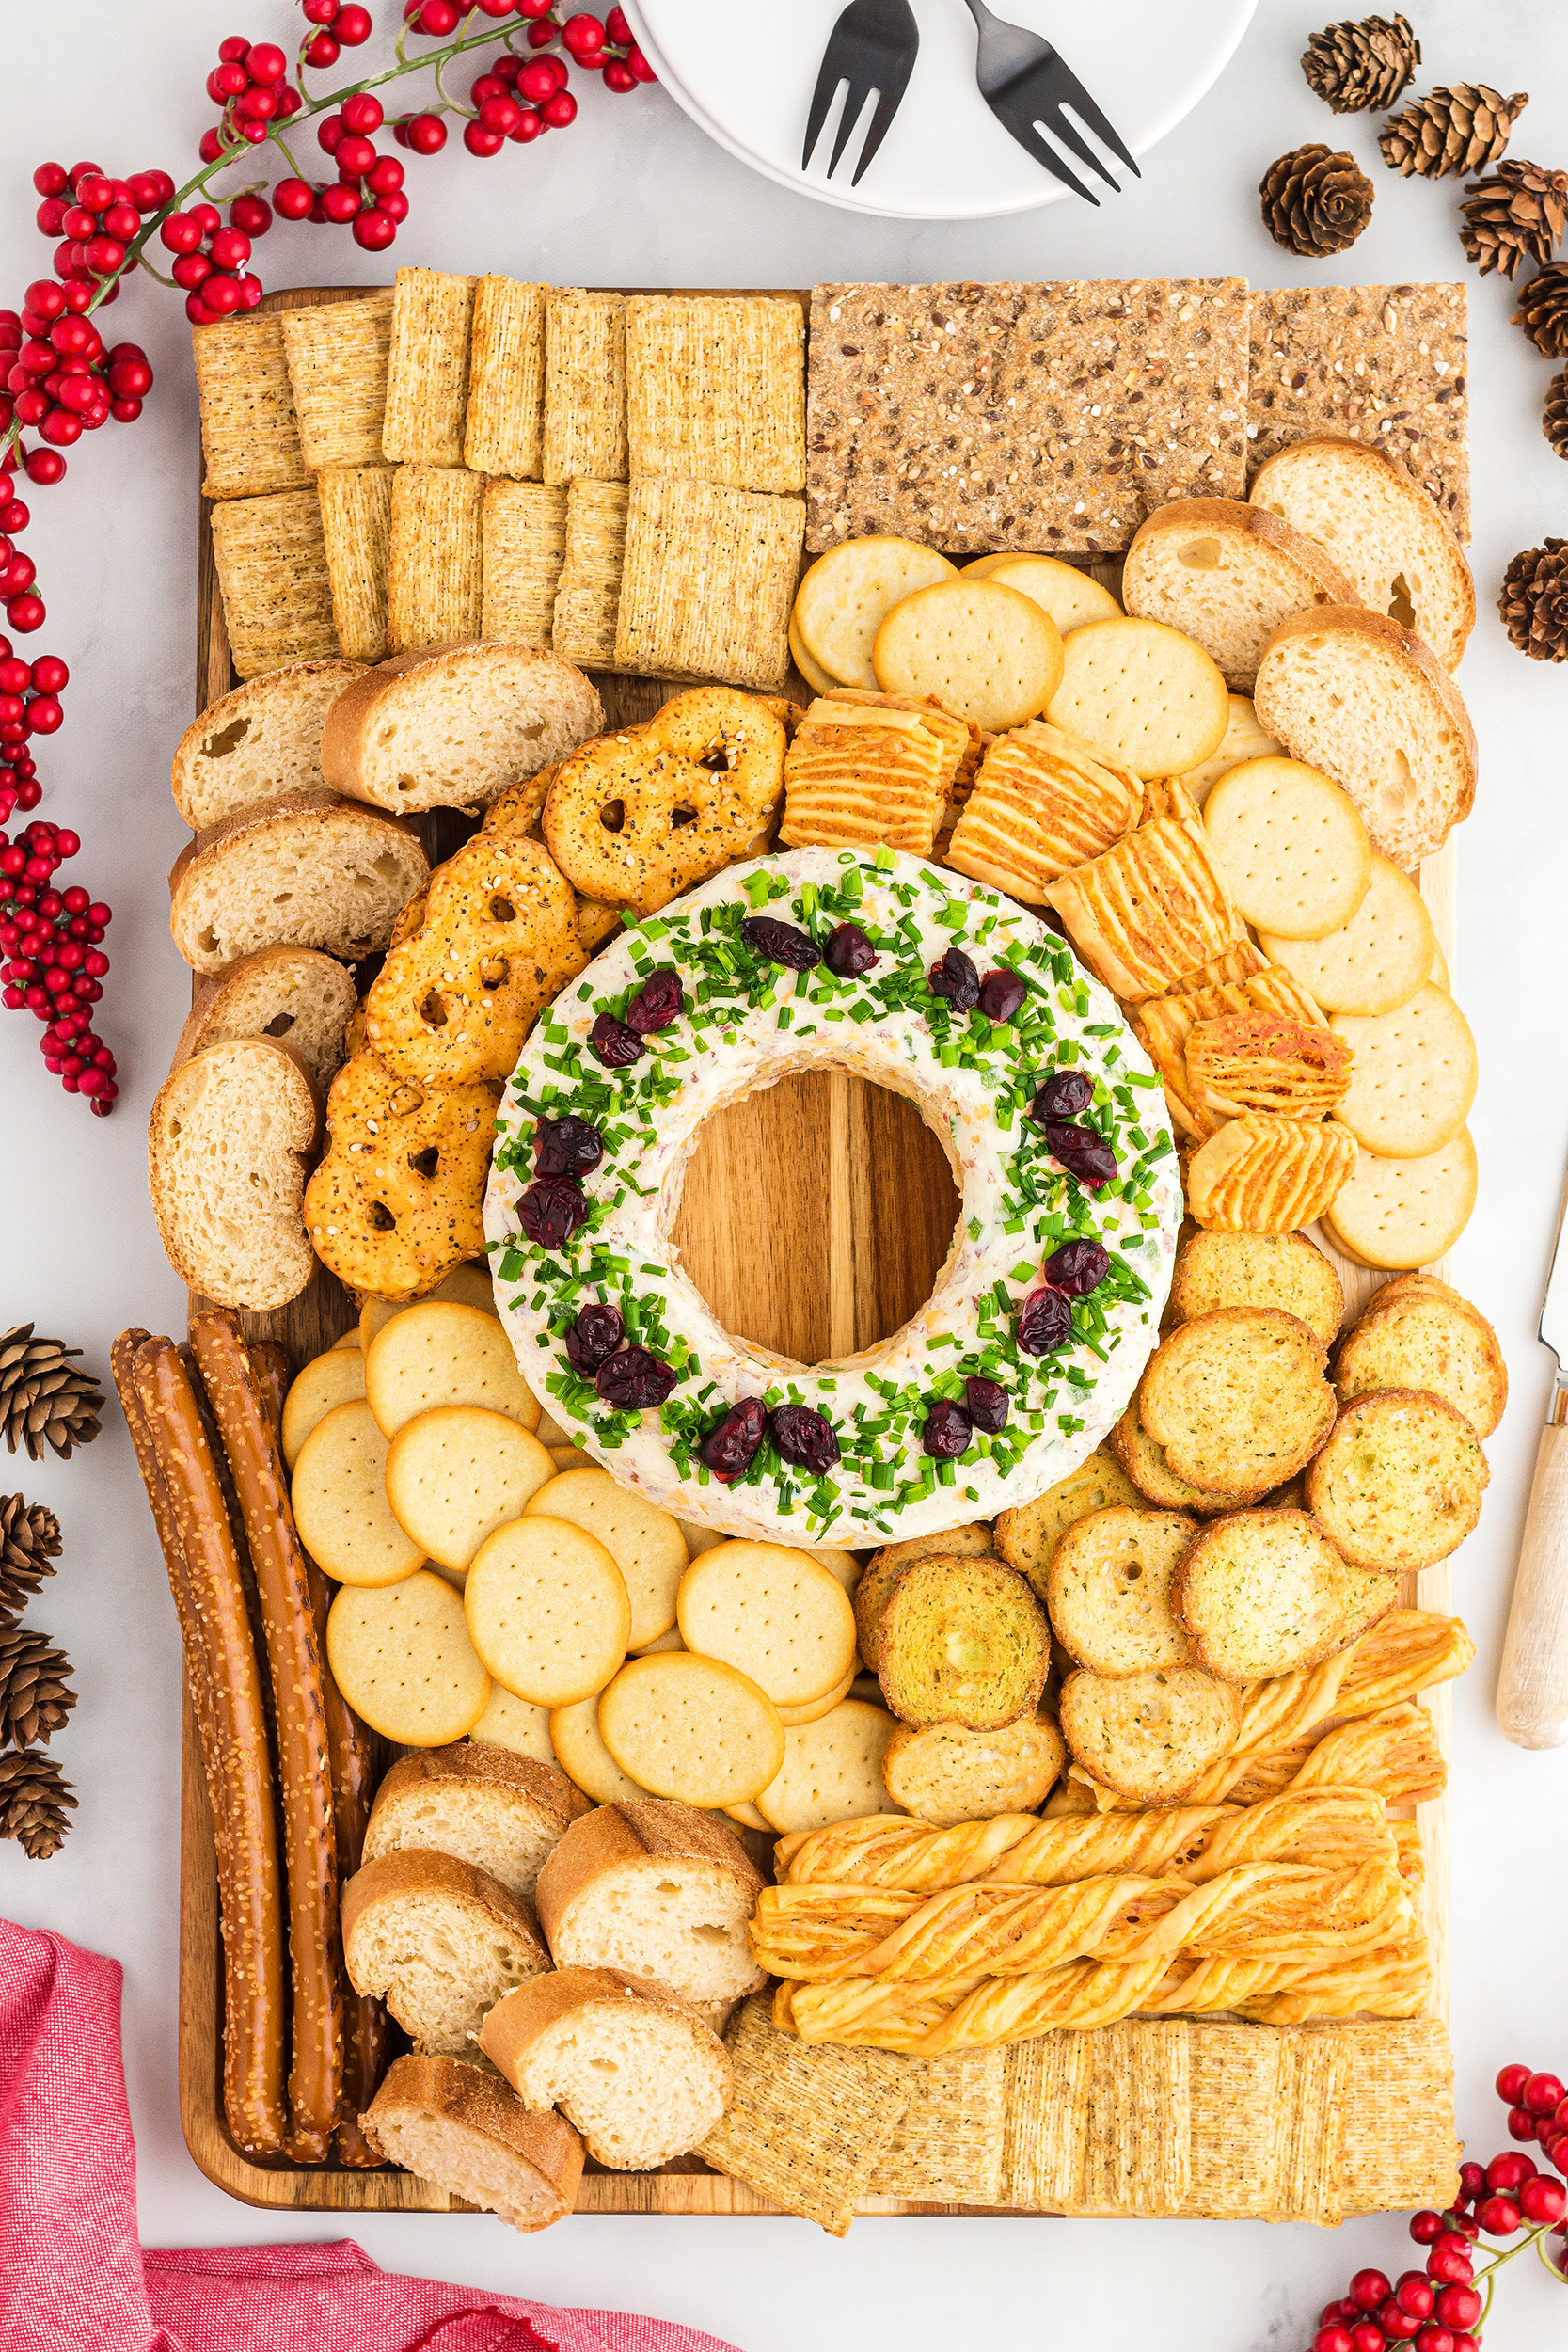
978 417
523 527
708 581
716 390
1386 364
427 368
357 526
271 559
436 567
585 386
504 432
249 433
337 354
589 594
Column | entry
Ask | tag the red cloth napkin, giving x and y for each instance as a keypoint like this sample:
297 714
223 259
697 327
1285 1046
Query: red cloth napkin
73 2275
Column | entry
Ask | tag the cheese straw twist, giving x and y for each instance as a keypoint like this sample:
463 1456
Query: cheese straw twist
815 1934
1393 1983
1275 1910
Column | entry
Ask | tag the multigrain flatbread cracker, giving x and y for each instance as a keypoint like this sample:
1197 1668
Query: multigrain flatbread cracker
716 390
1386 364
846 595
505 429
436 567
585 386
708 581
427 368
1041 801
589 594
1148 909
1258 1174
1008 407
985 651
356 527
523 534
249 434
404 1662
270 555
337 354
1404 1213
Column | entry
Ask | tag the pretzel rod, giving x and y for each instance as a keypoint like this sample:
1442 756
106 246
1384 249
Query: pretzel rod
294 1662
239 1766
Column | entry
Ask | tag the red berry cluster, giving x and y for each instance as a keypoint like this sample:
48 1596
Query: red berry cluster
63 381
54 965
249 86
368 192
341 28
97 218
29 705
210 259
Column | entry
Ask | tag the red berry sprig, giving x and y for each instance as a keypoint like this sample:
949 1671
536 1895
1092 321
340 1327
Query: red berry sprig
54 968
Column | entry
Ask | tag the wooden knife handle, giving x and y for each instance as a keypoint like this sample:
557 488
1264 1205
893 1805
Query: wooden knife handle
1532 1689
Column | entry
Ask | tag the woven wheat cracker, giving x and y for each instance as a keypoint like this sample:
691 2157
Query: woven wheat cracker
585 386
948 2148
357 528
1291 845
1404 1213
439 1353
547 1610
832 1770
692 1729
1146 696
1041 802
523 531
404 1662
336 1378
708 581
716 390
249 433
270 556
436 566
338 1493
427 368
776 1614
337 354
986 652
1264 1175
1148 910
588 598
844 597
1413 1078
806 2127
645 1543
504 428
457 1474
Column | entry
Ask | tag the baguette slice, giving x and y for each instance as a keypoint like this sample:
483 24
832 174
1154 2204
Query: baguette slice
226 1167
1228 574
638 2073
1382 528
306 870
263 739
291 995
439 1942
658 1891
488 1806
451 726
1348 691
459 2126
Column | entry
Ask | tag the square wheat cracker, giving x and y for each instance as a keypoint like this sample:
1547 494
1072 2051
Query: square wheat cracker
524 530
357 526
337 354
427 368
716 390
505 430
585 386
271 560
589 595
249 434
436 570
710 575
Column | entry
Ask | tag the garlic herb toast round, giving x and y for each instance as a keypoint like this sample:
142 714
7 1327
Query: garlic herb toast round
1238 1398
1028 1537
1398 1484
1151 1475
1151 1736
1109 1590
944 1774
1421 1339
1214 1270
964 1642
1265 1593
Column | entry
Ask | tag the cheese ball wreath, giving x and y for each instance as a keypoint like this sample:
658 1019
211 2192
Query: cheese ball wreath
1041 1321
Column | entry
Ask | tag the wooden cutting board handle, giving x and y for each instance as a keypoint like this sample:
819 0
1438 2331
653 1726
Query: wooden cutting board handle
1532 1689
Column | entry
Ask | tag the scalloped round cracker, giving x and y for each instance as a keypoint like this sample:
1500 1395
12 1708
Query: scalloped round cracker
845 596
578 1746
458 1472
692 1729
336 1378
1405 1213
404 1662
645 1543
1414 1077
773 1612
832 1770
547 1611
509 1722
339 1494
1150 698
1373 963
438 1352
1290 847
988 653
1072 598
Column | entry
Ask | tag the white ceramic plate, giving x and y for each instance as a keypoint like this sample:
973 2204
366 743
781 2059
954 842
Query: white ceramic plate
746 75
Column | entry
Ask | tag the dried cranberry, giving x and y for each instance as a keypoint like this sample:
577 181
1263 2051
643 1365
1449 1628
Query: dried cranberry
616 1045
1001 995
1078 1267
954 977
1044 1323
730 1449
1065 1093
660 1001
948 1430
595 1335
805 1436
988 1403
848 952
780 943
633 1380
566 1147
1081 1151
551 1210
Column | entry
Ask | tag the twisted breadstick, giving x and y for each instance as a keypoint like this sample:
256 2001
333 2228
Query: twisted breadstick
1393 1983
1274 1910
1320 1829
817 1933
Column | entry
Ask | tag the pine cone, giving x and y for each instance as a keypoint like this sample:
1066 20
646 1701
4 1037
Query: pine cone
1534 601
1554 422
29 1542
1542 311
1461 129
1315 202
43 1398
36 1695
1517 214
1355 67
34 1798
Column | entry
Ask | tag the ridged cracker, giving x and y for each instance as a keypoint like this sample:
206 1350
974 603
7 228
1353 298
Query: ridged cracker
357 526
589 595
708 582
271 559
337 354
523 525
436 570
505 429
585 386
249 434
716 390
427 368
1148 909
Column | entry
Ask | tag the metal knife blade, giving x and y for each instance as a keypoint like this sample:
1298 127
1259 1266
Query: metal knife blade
1554 1307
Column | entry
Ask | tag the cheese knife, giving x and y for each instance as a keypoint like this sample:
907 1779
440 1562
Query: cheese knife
1532 1688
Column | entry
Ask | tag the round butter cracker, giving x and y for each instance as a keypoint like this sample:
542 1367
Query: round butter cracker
1071 598
1148 697
455 1474
438 1352
338 1493
645 1543
832 1770
692 1729
466 1286
1373 963
578 1748
1414 1077
509 1722
844 597
986 652
547 1611
773 1612
404 1662
1402 1214
336 1378
1290 847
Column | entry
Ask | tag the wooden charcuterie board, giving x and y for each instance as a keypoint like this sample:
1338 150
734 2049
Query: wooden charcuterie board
814 1218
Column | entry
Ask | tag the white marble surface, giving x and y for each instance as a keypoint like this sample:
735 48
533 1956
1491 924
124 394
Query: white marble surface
634 193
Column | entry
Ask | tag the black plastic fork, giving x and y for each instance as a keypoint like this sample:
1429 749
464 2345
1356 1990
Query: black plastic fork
1025 82
872 47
